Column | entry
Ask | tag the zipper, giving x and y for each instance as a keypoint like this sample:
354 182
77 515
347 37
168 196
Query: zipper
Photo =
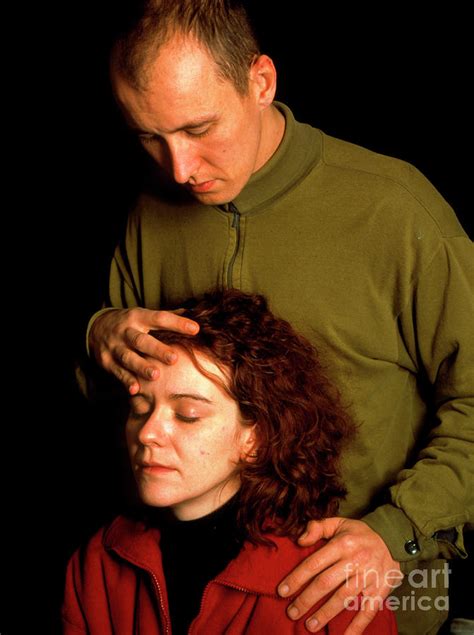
206 592
160 598
203 599
159 594
235 225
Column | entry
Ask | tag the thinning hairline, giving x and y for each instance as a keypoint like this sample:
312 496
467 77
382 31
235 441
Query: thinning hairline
140 80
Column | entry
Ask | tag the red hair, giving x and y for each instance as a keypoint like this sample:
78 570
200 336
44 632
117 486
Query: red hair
280 386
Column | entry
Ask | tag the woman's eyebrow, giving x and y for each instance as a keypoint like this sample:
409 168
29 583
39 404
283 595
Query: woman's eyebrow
196 397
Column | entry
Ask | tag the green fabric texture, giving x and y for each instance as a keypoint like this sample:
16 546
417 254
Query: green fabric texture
364 257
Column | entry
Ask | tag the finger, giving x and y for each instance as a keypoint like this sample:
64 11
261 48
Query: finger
326 583
362 619
126 379
343 598
146 345
318 529
310 567
134 364
172 322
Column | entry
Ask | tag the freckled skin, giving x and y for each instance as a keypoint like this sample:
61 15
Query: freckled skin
200 441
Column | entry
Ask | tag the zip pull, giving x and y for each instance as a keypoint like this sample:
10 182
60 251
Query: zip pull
233 210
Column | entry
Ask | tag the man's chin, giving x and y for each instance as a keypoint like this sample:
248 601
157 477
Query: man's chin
211 198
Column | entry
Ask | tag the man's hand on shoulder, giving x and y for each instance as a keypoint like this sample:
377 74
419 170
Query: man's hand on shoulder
120 343
354 561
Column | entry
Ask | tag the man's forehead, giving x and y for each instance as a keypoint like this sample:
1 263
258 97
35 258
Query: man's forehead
180 59
170 103
145 114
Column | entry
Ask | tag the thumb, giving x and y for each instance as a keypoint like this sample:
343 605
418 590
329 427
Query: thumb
317 529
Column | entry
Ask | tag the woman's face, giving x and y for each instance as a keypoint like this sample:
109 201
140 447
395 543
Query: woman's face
185 438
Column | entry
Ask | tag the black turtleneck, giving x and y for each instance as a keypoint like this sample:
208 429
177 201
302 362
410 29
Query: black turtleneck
194 552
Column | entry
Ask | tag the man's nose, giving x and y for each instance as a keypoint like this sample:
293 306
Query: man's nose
183 160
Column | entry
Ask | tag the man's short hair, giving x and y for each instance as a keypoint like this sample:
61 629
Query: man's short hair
222 26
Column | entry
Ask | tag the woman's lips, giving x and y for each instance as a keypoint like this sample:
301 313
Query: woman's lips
155 468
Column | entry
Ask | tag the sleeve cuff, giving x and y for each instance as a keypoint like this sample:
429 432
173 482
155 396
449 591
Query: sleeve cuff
91 322
406 543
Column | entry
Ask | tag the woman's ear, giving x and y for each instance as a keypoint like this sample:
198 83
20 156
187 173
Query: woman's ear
248 447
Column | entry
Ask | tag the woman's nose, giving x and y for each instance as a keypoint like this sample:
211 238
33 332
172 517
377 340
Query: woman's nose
155 430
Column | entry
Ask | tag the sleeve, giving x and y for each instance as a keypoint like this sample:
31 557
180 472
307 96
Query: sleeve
433 499
125 273
123 292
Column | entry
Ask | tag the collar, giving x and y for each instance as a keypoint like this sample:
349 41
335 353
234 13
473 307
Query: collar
299 152
257 568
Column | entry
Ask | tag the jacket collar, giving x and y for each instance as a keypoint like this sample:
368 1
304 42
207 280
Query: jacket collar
299 152
257 569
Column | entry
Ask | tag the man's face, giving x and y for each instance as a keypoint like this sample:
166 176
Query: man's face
195 125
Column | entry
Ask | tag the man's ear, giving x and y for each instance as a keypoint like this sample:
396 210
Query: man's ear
263 80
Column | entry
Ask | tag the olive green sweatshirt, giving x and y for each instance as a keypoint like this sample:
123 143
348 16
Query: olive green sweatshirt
364 257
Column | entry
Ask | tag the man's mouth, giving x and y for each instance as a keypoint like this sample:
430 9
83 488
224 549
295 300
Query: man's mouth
205 186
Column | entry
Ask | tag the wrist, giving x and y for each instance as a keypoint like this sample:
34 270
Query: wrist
92 329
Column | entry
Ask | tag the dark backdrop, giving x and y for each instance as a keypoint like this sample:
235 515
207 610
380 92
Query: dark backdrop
392 82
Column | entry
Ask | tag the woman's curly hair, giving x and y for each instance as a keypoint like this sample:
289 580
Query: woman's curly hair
279 385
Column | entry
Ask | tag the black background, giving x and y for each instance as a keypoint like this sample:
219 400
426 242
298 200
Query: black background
394 82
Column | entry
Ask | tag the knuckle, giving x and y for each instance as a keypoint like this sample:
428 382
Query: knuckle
104 359
304 602
161 317
312 527
124 357
327 583
119 373
135 338
311 566
348 542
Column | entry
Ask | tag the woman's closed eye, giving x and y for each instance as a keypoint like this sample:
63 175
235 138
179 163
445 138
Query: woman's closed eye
186 418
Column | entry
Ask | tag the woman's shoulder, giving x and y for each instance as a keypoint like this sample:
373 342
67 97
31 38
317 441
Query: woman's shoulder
261 567
123 533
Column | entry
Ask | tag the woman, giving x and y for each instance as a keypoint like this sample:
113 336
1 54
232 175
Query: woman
234 449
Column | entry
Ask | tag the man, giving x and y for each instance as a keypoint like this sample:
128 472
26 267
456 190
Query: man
357 250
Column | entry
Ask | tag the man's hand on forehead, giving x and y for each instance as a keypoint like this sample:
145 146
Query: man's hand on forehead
119 341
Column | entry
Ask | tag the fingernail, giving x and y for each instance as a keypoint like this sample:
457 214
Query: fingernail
312 624
303 536
293 612
133 388
152 373
171 357
191 328
284 589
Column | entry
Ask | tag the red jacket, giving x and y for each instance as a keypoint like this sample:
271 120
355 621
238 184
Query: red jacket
116 586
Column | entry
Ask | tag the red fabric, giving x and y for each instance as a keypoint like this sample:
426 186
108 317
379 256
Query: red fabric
115 586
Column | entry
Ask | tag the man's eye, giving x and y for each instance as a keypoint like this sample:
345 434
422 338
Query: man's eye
199 133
